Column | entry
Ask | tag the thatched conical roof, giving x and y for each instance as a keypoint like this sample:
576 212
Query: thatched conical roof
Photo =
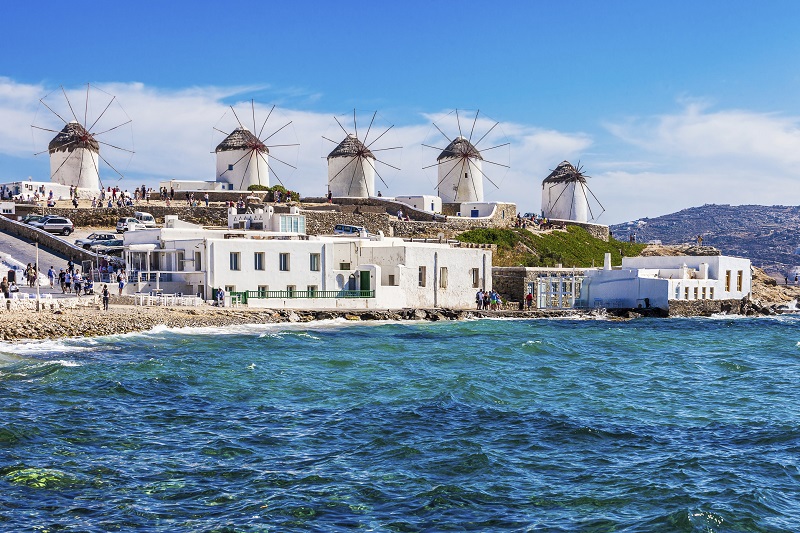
241 139
72 137
351 146
565 173
459 147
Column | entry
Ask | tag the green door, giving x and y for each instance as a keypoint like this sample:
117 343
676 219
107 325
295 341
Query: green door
364 280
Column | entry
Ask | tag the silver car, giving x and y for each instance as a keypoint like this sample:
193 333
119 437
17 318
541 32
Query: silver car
55 224
95 238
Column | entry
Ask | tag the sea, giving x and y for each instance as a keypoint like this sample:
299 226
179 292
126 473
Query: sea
479 425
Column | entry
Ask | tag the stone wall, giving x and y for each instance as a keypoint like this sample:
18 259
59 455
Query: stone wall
679 308
598 231
53 242
107 217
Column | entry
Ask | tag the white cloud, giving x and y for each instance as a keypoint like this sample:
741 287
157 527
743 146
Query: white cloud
702 156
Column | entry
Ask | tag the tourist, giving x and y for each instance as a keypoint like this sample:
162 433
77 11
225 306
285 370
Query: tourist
220 297
62 281
205 199
51 275
120 281
486 300
399 214
77 283
479 299
4 287
529 300
106 296
795 279
330 197
68 281
88 287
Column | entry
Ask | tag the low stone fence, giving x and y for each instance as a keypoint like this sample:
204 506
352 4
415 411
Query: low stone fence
48 240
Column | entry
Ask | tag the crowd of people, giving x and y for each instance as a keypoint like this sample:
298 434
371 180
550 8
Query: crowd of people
70 280
488 300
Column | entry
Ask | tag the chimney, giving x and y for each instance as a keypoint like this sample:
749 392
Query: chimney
607 262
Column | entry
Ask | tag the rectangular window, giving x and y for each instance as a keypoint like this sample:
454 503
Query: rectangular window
290 290
739 280
230 288
703 293
263 290
728 280
711 293
180 259
258 260
197 263
235 261
686 293
423 276
391 279
311 290
442 277
344 266
283 263
476 278
695 293
314 265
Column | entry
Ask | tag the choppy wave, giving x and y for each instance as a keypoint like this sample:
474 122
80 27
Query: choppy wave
485 425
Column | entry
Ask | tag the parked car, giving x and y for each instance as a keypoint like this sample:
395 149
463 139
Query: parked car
345 229
129 223
145 218
54 224
113 248
95 238
31 217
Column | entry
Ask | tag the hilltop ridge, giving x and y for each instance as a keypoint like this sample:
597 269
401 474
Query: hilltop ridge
767 235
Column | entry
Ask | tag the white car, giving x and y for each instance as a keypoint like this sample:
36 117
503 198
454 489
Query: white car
129 223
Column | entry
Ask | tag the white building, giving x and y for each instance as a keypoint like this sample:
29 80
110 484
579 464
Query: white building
242 160
74 158
460 172
423 202
655 281
281 267
564 194
351 169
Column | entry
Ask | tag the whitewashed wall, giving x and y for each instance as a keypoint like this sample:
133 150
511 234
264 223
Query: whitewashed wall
565 201
243 175
349 177
80 169
464 183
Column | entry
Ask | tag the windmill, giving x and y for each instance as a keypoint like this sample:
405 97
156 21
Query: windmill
352 165
243 156
75 151
461 162
564 194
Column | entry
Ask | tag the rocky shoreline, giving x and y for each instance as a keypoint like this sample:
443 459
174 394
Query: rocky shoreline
92 322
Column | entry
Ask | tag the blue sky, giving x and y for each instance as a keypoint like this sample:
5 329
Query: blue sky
667 105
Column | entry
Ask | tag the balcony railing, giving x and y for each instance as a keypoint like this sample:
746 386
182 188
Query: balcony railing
245 295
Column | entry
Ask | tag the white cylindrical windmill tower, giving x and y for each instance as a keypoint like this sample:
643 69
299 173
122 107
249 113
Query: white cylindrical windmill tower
242 160
564 194
351 169
460 172
74 155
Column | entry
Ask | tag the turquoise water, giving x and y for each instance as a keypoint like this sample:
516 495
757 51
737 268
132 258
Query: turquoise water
541 425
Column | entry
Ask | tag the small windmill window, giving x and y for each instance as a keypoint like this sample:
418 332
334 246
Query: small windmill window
230 167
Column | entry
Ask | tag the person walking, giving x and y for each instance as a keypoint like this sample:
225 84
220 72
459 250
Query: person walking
120 282
51 275
529 300
106 296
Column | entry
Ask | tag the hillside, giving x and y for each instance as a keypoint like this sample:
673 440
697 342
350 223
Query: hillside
571 247
767 235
